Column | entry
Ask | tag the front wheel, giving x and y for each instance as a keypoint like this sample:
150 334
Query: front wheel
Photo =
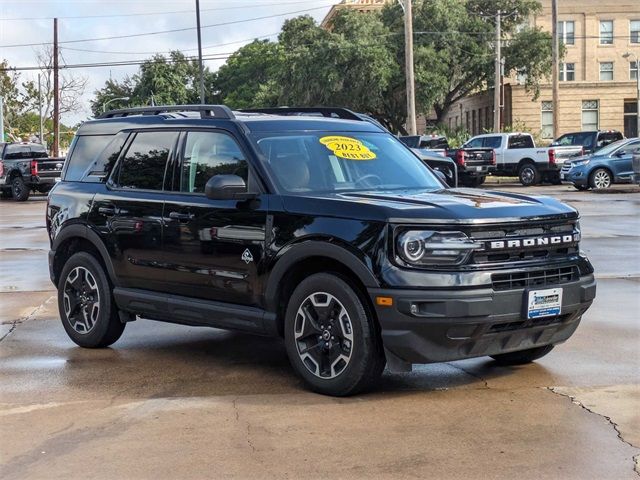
523 356
87 309
19 190
528 175
600 179
331 337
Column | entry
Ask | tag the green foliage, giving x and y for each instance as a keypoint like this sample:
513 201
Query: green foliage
456 136
160 80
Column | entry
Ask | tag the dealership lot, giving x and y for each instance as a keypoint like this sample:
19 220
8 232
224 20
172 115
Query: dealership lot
172 401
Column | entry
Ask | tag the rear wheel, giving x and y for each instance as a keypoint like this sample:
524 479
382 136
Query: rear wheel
331 338
88 312
528 174
600 179
523 356
19 190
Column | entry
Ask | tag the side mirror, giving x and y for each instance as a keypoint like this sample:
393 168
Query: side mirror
441 176
225 187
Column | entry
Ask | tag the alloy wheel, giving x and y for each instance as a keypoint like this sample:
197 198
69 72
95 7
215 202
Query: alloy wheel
323 335
81 300
601 179
527 175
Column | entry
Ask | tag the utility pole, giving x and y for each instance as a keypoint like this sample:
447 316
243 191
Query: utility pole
200 52
56 93
1 119
40 110
412 129
498 77
555 86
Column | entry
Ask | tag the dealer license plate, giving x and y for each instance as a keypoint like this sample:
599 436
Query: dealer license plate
562 176
544 303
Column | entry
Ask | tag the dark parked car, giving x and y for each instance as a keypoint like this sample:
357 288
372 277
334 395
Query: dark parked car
609 165
444 165
26 167
590 141
329 232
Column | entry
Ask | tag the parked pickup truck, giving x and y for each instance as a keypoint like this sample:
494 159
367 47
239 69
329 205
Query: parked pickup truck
26 167
473 164
517 155
590 141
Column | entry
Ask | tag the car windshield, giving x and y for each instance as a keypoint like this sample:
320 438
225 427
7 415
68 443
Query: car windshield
612 147
323 162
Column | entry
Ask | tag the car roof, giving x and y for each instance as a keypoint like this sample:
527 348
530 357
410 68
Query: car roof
253 121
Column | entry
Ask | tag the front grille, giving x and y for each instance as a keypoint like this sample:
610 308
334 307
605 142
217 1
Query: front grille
535 278
533 322
531 254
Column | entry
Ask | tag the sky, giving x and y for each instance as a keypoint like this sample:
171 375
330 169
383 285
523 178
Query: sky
30 22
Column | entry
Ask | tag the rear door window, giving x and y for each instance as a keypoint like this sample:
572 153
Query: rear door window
606 138
520 141
492 142
143 166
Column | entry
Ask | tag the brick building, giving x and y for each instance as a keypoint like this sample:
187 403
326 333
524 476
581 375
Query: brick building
597 85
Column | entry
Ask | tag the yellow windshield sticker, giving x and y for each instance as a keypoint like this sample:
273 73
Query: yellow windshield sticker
348 148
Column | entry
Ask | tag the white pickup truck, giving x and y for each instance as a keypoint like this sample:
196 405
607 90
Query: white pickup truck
517 155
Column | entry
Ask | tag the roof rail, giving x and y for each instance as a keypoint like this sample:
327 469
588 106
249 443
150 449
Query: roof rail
331 112
206 111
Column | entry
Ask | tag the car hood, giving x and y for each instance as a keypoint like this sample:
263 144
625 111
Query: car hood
461 205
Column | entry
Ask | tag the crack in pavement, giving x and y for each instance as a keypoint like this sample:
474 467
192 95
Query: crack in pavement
34 312
575 401
237 415
471 374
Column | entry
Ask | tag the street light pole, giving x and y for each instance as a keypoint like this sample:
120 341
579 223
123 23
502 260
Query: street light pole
412 128
498 77
627 55
104 105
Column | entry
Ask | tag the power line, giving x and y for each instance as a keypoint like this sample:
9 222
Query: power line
169 51
160 32
142 14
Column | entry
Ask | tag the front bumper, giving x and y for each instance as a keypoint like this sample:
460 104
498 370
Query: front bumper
427 326
576 176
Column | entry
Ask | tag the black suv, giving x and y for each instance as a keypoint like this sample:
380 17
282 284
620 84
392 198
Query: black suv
316 225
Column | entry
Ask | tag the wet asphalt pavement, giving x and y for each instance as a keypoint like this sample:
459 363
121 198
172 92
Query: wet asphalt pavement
170 401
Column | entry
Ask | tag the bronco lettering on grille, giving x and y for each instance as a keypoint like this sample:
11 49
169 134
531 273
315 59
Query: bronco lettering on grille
520 243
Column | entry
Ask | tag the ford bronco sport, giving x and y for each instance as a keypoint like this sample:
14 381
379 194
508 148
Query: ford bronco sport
315 225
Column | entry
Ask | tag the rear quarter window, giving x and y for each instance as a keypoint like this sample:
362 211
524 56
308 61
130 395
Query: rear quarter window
84 152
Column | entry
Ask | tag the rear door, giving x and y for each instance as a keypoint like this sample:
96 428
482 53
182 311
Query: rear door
622 159
128 212
213 248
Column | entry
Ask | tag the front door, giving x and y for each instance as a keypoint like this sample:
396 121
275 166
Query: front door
213 249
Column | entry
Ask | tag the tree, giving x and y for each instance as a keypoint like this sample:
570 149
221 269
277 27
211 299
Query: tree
247 79
454 54
71 88
13 104
160 80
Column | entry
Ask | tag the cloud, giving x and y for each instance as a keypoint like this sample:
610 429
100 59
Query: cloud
41 30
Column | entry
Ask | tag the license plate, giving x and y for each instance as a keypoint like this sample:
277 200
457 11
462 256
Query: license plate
544 303
478 169
562 176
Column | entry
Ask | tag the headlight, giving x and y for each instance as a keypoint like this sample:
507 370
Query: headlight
429 248
579 163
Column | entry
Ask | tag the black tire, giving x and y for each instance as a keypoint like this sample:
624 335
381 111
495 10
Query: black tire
19 190
323 366
600 179
6 193
523 356
528 174
582 188
105 327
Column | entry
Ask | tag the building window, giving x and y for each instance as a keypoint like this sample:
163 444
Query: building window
466 122
606 32
567 72
633 70
606 71
590 115
634 31
473 123
566 32
630 118
547 120
488 118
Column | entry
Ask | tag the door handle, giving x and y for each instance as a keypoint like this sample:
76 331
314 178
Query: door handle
183 217
108 211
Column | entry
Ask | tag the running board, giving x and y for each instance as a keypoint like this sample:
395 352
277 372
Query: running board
195 311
